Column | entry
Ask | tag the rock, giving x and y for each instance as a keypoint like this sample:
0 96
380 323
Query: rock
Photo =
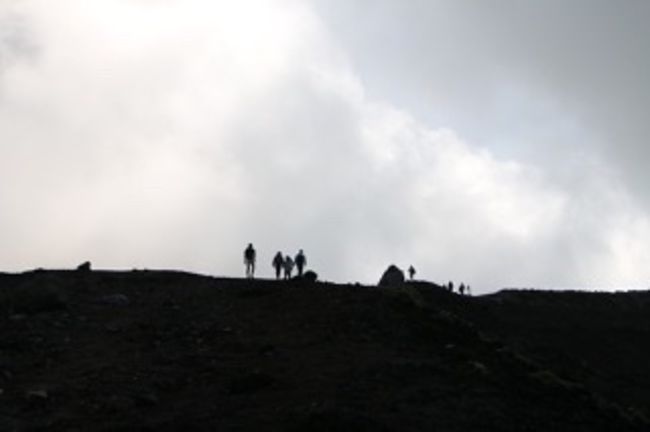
310 276
39 394
392 277
478 367
114 300
84 267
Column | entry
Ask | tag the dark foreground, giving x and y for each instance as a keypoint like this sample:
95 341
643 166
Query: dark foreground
163 351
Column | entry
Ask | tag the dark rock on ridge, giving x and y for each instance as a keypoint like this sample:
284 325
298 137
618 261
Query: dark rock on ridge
84 267
310 276
392 277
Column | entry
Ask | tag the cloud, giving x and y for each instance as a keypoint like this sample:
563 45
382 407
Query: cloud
556 82
171 134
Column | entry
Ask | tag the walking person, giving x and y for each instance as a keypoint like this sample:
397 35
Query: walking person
288 267
300 261
411 272
278 263
249 260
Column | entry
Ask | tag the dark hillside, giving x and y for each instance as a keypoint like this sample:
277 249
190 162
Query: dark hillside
164 351
600 339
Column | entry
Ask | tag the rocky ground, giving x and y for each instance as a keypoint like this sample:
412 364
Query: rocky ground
166 351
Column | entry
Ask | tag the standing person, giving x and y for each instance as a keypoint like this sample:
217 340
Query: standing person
288 267
278 263
411 272
249 260
461 289
300 261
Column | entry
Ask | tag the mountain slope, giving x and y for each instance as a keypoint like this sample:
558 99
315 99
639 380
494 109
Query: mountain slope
600 339
164 351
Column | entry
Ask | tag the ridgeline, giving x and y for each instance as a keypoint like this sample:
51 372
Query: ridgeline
168 351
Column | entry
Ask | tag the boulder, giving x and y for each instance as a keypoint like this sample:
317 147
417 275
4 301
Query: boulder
84 267
393 276
310 276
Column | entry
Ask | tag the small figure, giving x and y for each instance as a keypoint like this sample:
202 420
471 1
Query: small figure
300 261
450 286
249 260
411 272
278 263
288 267
461 289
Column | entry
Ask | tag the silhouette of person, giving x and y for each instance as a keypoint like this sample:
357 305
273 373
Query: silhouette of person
288 267
249 260
461 289
411 272
278 263
300 261
450 286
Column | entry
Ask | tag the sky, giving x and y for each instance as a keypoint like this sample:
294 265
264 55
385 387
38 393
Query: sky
500 143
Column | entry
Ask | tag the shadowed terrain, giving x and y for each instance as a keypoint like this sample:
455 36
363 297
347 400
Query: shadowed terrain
166 351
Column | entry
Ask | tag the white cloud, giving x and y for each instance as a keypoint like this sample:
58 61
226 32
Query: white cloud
170 134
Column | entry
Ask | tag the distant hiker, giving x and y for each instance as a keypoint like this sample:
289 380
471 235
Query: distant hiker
461 289
249 261
411 272
278 263
450 286
300 261
288 267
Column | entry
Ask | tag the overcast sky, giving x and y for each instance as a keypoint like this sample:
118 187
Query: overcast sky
501 143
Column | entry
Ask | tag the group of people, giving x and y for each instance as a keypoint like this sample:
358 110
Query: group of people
280 263
462 288
287 263
284 266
